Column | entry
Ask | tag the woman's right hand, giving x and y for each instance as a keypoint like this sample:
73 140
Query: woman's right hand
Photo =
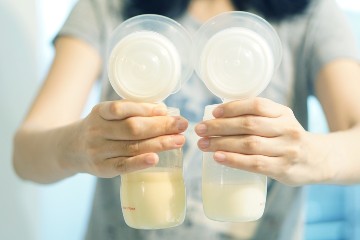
119 137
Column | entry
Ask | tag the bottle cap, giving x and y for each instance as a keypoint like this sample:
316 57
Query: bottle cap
236 55
149 59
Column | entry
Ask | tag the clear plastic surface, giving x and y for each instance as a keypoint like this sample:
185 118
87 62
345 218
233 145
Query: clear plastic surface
230 194
236 54
155 198
149 58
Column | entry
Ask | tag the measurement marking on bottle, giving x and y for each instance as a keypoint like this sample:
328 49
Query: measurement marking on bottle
129 208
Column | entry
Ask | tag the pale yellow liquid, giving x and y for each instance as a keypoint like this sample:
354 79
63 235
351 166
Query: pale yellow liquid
234 202
152 200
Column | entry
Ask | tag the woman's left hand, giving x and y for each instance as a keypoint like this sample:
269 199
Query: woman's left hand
262 136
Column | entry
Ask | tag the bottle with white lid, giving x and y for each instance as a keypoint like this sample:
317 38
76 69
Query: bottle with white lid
149 58
236 55
148 62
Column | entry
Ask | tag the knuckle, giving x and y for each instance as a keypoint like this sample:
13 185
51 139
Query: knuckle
258 164
295 133
114 108
133 147
293 152
134 127
167 143
249 123
120 165
163 143
251 143
169 124
160 144
258 105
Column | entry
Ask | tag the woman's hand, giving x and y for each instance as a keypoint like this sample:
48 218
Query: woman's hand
261 136
121 136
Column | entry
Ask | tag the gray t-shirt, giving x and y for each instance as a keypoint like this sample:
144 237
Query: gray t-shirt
309 40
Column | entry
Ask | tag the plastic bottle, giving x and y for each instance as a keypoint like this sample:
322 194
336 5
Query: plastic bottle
148 62
236 55
155 198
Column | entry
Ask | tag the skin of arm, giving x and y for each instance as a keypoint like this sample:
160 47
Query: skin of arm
262 136
117 137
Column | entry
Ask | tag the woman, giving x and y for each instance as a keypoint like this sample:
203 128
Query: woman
264 135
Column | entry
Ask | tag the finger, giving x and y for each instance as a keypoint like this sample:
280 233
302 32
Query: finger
270 166
112 149
247 144
248 125
118 110
251 106
121 165
139 128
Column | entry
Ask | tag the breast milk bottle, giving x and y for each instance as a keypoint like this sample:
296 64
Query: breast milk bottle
236 55
147 63
155 197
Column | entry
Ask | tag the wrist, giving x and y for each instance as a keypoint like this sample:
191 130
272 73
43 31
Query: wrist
68 159
322 156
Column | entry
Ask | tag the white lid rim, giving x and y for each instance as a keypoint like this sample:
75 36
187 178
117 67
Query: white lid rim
251 92
159 96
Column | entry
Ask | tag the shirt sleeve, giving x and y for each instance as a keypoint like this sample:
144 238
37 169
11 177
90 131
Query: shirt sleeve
330 37
83 23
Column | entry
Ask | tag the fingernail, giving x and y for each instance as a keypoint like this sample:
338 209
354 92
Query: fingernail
218 112
159 110
178 140
220 157
201 128
150 159
181 124
204 143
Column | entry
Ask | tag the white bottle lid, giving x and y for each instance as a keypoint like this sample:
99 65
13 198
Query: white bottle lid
144 66
149 58
236 54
